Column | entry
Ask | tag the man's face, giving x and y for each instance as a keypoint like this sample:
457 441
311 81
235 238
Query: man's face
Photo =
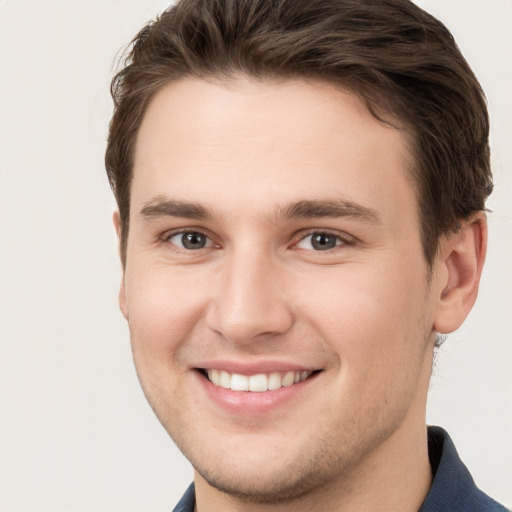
274 244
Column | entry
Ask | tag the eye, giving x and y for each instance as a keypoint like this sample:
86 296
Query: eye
320 241
190 240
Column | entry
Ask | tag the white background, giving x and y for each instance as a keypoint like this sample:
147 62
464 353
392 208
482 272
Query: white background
75 431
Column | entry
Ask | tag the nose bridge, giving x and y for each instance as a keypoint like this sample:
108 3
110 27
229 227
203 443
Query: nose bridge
251 300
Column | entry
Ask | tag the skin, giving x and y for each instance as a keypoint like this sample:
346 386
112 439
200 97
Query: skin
363 312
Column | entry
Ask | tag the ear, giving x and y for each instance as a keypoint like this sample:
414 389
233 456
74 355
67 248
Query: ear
122 292
462 256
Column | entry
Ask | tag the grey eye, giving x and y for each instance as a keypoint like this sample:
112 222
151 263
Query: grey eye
323 241
320 241
190 240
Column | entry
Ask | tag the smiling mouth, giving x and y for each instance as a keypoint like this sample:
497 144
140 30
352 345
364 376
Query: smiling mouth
256 383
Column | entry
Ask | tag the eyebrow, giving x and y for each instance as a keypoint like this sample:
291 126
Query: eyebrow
328 208
162 206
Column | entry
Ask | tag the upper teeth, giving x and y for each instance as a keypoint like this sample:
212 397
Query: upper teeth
259 382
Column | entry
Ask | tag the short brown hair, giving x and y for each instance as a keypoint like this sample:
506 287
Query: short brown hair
400 60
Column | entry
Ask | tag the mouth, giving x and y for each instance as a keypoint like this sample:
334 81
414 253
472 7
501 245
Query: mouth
257 383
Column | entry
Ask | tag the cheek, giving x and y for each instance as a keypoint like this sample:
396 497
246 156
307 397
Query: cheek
353 300
372 317
164 306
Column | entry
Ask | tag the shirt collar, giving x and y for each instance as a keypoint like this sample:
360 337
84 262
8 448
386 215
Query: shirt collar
453 488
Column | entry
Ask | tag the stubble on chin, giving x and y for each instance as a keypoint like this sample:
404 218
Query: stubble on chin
327 468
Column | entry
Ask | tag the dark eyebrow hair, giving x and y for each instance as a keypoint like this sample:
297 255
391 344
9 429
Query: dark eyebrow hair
328 208
162 207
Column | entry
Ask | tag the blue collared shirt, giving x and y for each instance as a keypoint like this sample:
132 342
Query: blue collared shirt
453 488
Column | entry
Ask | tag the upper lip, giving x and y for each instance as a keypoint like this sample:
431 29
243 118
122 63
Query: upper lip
253 367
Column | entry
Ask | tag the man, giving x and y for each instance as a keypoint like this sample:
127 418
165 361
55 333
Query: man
301 189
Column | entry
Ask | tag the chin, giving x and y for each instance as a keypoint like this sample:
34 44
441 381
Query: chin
267 472
276 486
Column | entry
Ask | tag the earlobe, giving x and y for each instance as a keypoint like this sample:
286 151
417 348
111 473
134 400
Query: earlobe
462 256
116 218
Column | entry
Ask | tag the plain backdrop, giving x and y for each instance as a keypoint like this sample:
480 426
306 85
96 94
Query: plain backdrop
75 431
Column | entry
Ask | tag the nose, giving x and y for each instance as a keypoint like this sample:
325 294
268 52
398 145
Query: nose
251 301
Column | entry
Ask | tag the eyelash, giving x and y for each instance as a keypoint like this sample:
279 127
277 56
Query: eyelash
340 240
167 237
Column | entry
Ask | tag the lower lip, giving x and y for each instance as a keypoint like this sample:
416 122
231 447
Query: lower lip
251 402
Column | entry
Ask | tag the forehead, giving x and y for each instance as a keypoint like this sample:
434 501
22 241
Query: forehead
282 141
